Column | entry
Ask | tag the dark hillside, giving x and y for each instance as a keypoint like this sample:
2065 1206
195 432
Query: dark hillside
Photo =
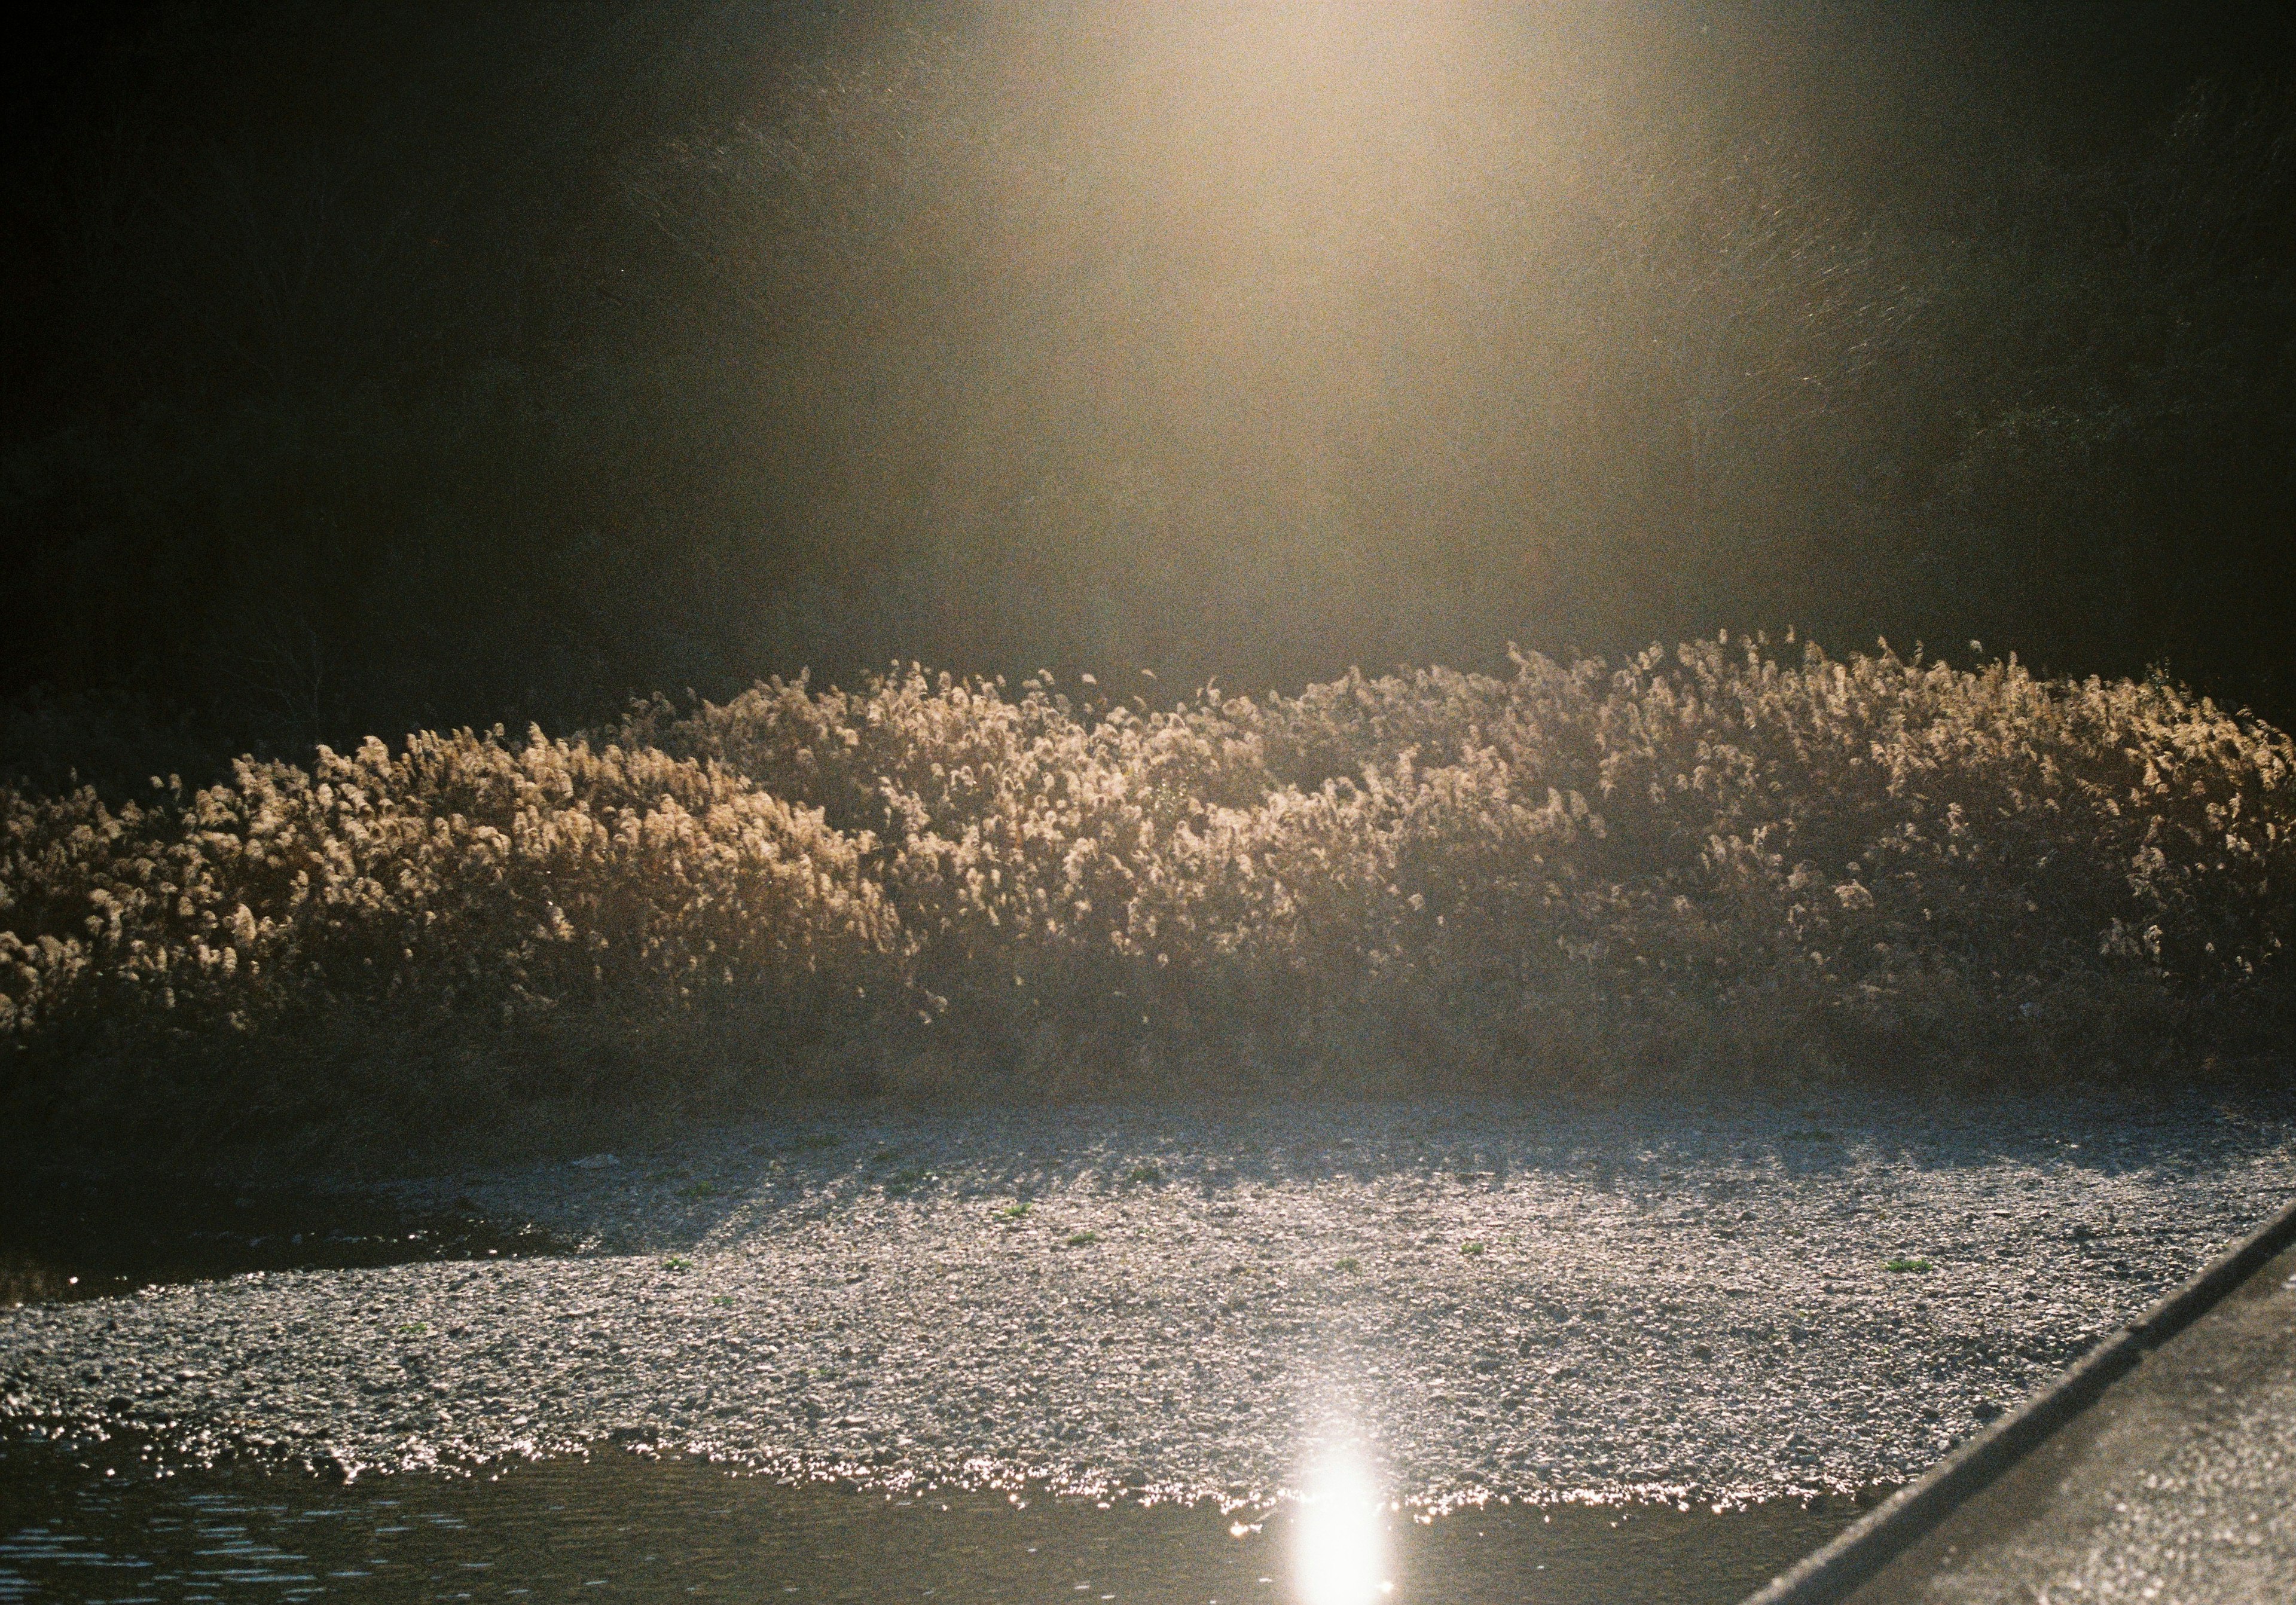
376 366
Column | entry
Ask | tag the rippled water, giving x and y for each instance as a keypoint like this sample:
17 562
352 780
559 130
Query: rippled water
74 1527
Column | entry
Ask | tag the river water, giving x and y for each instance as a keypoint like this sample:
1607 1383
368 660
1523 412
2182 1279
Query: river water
79 1525
73 1237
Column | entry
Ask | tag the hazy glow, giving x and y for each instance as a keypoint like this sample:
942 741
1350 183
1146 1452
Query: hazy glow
1262 337
1340 1554
1191 333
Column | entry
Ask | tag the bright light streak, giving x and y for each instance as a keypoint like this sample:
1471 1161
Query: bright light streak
1340 1549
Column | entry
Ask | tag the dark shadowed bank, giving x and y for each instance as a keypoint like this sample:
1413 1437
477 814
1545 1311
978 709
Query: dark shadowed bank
1733 866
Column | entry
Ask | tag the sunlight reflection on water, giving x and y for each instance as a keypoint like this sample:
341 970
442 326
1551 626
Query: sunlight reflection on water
94 1524
1339 1535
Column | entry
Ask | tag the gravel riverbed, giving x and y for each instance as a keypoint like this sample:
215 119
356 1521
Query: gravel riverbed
1483 1300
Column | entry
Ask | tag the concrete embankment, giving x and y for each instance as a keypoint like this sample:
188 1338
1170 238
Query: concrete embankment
2161 1470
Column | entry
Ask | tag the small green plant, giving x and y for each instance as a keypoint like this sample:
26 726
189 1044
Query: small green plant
1347 1264
412 1328
1145 1175
1013 1212
698 1192
677 1262
1082 1240
884 1156
1915 1267
723 1301
1471 1250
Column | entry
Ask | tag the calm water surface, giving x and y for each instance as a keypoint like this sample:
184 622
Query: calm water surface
619 1527
66 1237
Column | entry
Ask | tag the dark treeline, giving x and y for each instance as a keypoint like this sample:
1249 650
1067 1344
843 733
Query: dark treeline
375 365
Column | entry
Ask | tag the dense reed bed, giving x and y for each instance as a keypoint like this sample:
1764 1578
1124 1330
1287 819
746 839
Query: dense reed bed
1730 865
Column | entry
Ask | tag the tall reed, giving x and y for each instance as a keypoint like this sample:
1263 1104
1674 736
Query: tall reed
1731 863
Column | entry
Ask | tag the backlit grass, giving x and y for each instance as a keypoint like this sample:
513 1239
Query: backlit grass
1726 865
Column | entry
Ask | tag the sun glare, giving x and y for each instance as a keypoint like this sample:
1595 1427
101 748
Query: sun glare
1340 1553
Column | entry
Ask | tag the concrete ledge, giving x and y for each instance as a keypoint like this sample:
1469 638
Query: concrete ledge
1874 1539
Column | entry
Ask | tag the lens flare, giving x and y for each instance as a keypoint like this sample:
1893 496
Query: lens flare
1340 1550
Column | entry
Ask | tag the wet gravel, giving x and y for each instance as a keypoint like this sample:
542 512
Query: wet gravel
1486 1299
